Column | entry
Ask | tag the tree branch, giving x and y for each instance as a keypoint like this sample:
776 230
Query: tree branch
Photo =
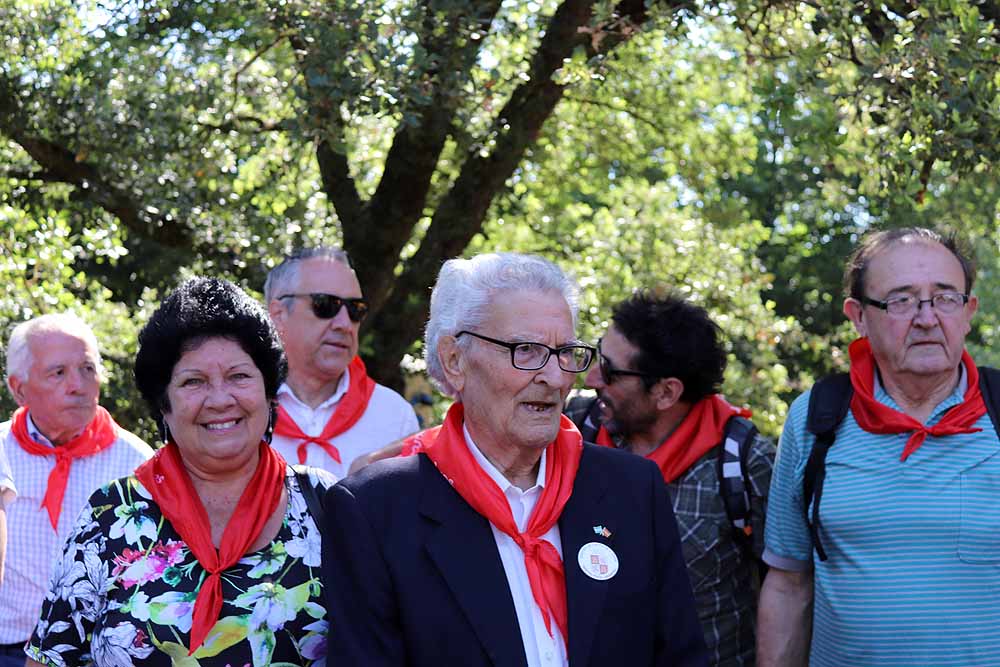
460 214
401 196
335 174
642 118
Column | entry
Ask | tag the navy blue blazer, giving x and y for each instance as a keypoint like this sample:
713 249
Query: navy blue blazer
413 576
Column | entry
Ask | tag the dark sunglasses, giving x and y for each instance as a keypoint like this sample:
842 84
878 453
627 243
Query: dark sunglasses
609 372
326 306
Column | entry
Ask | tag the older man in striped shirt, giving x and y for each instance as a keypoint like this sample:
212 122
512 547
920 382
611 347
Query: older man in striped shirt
61 446
900 564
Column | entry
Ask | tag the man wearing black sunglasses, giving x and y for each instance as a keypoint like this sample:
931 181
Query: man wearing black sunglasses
329 411
657 376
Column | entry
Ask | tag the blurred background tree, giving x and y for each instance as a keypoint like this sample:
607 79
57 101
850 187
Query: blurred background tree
732 151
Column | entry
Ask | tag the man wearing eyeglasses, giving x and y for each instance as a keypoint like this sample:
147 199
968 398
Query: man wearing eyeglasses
329 411
502 540
900 563
660 367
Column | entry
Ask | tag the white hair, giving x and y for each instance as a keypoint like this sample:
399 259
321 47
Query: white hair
19 357
282 277
466 289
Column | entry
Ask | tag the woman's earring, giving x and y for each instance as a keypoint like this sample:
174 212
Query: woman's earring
161 426
272 416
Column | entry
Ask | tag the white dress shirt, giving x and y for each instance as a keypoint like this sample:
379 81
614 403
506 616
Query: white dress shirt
388 418
540 649
32 546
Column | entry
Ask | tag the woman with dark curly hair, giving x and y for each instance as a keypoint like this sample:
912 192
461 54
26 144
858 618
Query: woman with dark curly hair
209 553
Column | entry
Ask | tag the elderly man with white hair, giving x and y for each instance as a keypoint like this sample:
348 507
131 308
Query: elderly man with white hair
504 540
61 446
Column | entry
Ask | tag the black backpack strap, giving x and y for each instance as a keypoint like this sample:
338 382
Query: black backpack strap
828 404
989 385
311 494
586 414
731 466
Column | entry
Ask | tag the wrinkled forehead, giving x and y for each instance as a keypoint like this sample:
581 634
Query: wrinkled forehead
50 345
913 263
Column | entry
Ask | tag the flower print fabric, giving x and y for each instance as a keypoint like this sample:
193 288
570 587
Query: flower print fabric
123 593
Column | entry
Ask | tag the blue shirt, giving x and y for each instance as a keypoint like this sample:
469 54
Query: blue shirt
913 575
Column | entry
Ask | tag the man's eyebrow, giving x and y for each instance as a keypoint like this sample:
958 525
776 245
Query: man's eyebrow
912 288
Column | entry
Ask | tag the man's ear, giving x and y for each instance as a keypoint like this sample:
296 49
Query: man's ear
452 361
278 313
855 313
16 389
667 392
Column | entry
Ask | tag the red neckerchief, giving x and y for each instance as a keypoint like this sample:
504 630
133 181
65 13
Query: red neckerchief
700 430
876 417
414 444
448 450
166 479
352 405
100 434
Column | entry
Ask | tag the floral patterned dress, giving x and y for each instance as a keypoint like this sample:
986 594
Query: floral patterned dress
124 591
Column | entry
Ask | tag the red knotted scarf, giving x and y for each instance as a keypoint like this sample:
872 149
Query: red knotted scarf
700 430
447 449
100 434
166 479
349 410
876 417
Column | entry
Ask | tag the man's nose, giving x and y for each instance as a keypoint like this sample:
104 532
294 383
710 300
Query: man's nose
551 372
341 320
593 377
925 315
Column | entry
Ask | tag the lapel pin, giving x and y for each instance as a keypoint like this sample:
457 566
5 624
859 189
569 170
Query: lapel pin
598 561
602 531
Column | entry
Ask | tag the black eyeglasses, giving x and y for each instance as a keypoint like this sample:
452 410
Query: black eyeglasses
574 358
326 306
907 305
609 372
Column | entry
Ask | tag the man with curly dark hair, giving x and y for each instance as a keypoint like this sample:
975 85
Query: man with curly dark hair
659 371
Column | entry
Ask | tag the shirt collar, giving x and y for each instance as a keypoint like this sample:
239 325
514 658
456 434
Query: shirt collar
345 382
956 397
491 469
35 434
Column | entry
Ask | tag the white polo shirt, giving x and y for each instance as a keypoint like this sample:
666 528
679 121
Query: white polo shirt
540 649
388 418
32 546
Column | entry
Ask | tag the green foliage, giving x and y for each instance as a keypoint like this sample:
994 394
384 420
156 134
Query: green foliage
733 152
36 267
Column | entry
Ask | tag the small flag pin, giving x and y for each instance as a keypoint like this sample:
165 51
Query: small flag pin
602 531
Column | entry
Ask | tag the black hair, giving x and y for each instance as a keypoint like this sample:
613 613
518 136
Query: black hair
875 242
675 339
204 308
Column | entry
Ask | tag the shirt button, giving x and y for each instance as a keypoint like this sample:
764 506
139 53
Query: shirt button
548 656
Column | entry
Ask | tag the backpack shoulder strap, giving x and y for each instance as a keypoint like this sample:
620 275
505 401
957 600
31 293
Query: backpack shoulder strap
989 385
731 466
829 402
586 414
310 493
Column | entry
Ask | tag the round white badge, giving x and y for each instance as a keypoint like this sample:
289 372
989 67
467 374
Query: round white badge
598 561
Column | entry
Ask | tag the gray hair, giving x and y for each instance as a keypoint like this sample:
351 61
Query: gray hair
282 277
19 357
466 290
